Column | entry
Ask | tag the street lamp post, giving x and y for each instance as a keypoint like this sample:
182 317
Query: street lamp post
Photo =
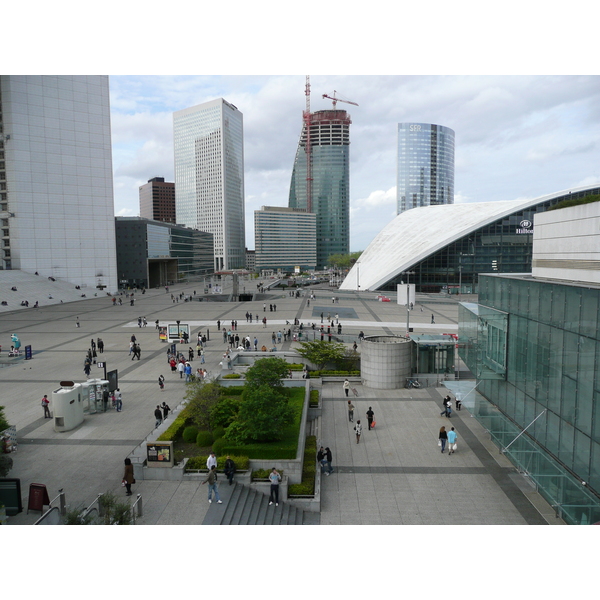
408 274
178 335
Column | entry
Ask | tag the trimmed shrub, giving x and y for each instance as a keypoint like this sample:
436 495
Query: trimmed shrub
237 390
219 445
309 469
232 376
204 438
175 429
334 373
264 473
218 432
313 400
190 434
296 366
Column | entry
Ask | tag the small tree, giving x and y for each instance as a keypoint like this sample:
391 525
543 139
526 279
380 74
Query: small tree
4 424
267 372
263 415
321 352
202 398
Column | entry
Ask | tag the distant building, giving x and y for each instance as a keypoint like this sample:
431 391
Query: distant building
425 174
250 260
56 178
209 177
329 140
152 253
157 200
285 239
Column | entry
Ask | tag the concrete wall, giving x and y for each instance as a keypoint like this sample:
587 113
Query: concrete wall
385 361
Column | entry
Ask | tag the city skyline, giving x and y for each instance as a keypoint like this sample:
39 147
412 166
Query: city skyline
517 137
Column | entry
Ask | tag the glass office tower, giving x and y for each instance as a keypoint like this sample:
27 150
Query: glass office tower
330 181
425 174
209 177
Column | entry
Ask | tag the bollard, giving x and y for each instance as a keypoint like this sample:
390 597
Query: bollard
63 502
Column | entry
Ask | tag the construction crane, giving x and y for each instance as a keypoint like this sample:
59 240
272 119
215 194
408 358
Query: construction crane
336 100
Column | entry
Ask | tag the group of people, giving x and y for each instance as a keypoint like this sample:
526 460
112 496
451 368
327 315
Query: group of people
160 413
229 469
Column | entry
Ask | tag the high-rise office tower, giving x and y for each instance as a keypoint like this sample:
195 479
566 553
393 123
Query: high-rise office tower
328 193
209 177
157 200
425 174
56 180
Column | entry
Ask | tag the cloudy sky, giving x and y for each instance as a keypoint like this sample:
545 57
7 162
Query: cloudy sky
517 137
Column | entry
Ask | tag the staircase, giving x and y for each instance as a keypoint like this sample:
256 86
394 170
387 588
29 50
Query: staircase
244 505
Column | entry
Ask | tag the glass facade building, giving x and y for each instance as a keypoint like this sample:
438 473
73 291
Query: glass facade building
284 239
152 253
329 139
209 177
534 346
425 173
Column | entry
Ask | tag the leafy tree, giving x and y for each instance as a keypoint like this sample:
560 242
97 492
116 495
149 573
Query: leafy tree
264 413
267 372
343 261
6 463
321 352
226 411
202 398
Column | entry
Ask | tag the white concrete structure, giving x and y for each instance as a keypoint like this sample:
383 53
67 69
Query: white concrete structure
566 244
416 234
209 177
56 200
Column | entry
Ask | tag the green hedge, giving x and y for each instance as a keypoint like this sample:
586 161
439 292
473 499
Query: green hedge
236 390
199 462
232 376
309 469
175 430
296 367
264 473
334 373
314 398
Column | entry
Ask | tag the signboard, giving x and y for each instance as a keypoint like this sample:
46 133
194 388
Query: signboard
162 334
113 380
38 497
159 454
28 352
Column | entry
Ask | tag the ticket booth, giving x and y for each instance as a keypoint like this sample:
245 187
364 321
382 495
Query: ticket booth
67 406
92 391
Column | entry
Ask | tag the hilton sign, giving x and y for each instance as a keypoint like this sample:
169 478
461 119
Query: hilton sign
525 226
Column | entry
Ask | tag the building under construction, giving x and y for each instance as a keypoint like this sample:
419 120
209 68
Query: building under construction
321 177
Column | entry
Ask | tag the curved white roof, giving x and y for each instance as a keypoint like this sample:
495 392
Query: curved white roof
419 232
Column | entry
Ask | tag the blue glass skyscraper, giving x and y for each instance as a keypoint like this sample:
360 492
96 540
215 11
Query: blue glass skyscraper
425 174
329 180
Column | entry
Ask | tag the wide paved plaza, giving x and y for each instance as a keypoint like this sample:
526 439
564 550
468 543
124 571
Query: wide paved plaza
395 476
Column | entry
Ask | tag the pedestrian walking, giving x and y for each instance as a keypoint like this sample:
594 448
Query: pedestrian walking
46 406
432 319
128 478
458 403
358 429
346 387
157 416
321 458
350 411
166 409
161 382
211 479
173 364
452 441
188 372
118 400
87 366
447 407
442 438
181 369
274 478
211 460
77 323
100 346
328 460
229 469
370 417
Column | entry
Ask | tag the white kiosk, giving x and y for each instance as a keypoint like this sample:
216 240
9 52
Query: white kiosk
67 406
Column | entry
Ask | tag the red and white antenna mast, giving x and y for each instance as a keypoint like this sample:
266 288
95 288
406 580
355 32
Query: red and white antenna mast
307 118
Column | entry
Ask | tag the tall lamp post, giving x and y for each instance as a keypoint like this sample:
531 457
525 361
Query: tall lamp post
178 335
408 274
